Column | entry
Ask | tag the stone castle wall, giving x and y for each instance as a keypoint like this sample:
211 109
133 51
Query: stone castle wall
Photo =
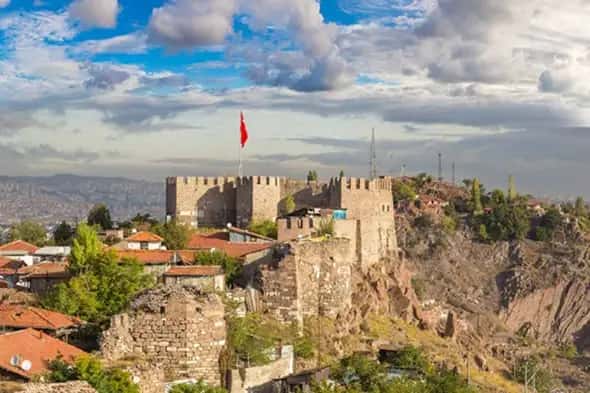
217 201
314 279
180 332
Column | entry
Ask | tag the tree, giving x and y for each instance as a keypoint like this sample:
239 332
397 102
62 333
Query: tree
63 233
511 189
231 266
403 192
176 235
290 204
91 370
476 197
525 368
100 286
101 216
266 228
507 222
28 231
497 198
580 207
312 176
341 174
549 223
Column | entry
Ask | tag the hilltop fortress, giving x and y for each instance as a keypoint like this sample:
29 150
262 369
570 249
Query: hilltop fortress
217 201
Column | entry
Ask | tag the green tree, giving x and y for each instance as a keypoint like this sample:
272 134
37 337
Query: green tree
290 204
312 176
266 228
411 358
580 207
403 192
341 174
549 223
511 189
231 266
507 222
101 286
326 227
63 233
525 368
497 198
101 216
476 197
91 370
176 235
199 387
28 231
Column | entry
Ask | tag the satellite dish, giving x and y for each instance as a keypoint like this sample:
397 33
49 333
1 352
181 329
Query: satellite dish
15 361
26 365
229 225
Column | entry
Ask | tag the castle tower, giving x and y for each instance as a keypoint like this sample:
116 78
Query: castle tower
258 199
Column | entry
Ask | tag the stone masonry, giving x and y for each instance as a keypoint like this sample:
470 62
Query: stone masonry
314 279
69 387
178 330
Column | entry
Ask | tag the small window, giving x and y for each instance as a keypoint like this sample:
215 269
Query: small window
143 245
162 310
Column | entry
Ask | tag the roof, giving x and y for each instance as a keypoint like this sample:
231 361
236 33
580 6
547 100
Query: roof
147 257
196 270
18 316
45 269
35 346
54 251
9 266
145 237
19 246
235 250
249 233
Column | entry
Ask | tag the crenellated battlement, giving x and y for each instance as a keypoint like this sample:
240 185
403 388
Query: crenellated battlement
260 181
359 183
290 228
200 180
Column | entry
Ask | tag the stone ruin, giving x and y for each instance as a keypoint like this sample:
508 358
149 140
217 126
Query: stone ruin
176 329
69 387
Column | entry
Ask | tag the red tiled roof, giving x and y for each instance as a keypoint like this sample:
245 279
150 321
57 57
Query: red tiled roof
36 347
147 257
4 284
44 269
145 237
17 316
195 270
235 250
19 245
9 266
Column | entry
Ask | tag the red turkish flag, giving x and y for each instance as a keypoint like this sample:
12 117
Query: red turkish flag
243 130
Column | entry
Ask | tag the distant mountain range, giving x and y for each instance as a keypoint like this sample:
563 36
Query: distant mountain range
69 197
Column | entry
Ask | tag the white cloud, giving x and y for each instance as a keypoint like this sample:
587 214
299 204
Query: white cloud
98 13
4 3
128 43
182 24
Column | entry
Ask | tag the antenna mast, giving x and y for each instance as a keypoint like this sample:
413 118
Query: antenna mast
440 173
454 179
373 157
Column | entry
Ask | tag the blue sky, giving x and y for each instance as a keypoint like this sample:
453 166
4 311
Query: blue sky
154 88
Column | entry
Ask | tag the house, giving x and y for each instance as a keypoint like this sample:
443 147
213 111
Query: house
237 235
154 261
21 251
25 354
247 252
16 317
53 253
43 276
144 241
206 278
9 271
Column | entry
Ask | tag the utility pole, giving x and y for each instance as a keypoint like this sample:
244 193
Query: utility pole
373 157
402 172
453 169
440 173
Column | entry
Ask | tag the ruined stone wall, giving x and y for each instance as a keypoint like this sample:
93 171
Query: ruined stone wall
314 279
291 228
178 330
243 380
68 387
201 201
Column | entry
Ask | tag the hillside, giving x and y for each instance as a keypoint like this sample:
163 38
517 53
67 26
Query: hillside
69 197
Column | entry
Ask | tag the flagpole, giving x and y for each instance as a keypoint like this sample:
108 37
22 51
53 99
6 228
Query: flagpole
240 168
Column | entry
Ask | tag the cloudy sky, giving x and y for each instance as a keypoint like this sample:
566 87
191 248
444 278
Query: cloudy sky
154 88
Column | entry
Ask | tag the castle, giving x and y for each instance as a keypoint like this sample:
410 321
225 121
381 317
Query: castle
217 201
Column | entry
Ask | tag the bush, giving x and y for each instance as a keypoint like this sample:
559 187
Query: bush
419 286
176 236
91 370
526 368
326 227
403 192
411 358
266 228
199 387
568 351
231 266
423 222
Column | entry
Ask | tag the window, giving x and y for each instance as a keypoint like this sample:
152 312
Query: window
143 245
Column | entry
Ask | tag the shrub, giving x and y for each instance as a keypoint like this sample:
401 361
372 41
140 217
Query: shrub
199 387
411 358
419 286
423 222
526 368
231 266
266 228
326 227
91 370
